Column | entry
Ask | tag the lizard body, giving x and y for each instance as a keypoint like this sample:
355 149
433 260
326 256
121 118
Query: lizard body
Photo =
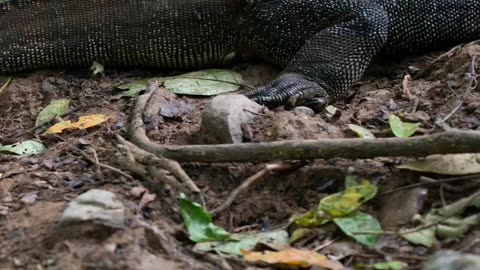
324 46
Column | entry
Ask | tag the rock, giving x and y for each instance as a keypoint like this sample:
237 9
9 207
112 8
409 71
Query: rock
224 117
29 198
302 110
452 260
95 205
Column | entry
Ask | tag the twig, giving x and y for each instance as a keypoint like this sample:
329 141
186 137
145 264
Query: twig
441 181
472 85
326 244
99 164
247 183
442 195
473 75
406 83
6 84
440 57
447 142
423 227
398 256
441 122
376 232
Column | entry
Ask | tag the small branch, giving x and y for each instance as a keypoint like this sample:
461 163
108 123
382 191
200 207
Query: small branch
442 122
6 84
437 182
471 85
97 163
447 142
247 183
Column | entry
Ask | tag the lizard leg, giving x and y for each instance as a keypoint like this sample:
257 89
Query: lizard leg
328 64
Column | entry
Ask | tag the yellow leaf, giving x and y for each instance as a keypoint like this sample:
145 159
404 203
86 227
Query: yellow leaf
83 122
338 205
87 121
58 127
343 203
292 257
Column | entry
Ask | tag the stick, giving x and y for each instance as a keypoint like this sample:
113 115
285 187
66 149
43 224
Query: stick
247 183
447 142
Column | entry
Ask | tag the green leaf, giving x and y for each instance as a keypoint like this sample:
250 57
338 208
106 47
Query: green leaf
55 108
393 265
447 222
134 88
298 234
199 223
402 129
361 131
456 227
360 222
97 68
425 237
24 148
245 242
331 109
208 82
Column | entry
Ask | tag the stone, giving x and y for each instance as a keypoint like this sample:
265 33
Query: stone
224 118
452 260
95 205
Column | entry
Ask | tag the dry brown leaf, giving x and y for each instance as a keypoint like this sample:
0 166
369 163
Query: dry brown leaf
451 164
292 257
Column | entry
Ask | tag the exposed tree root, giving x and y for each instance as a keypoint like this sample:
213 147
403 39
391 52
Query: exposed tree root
155 169
448 142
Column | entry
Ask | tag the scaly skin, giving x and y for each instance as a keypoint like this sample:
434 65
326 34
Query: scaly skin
324 46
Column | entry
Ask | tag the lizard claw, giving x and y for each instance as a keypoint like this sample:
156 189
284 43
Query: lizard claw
290 90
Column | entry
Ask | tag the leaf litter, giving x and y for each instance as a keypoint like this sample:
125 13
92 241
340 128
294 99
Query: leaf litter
262 215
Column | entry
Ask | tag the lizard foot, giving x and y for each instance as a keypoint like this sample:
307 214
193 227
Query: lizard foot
291 90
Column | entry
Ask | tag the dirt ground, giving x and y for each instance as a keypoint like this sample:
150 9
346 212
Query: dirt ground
34 190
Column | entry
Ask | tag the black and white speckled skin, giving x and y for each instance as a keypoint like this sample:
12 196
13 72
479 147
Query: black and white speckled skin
324 45
331 42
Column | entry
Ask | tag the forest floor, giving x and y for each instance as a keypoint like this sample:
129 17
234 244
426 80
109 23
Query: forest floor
35 190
